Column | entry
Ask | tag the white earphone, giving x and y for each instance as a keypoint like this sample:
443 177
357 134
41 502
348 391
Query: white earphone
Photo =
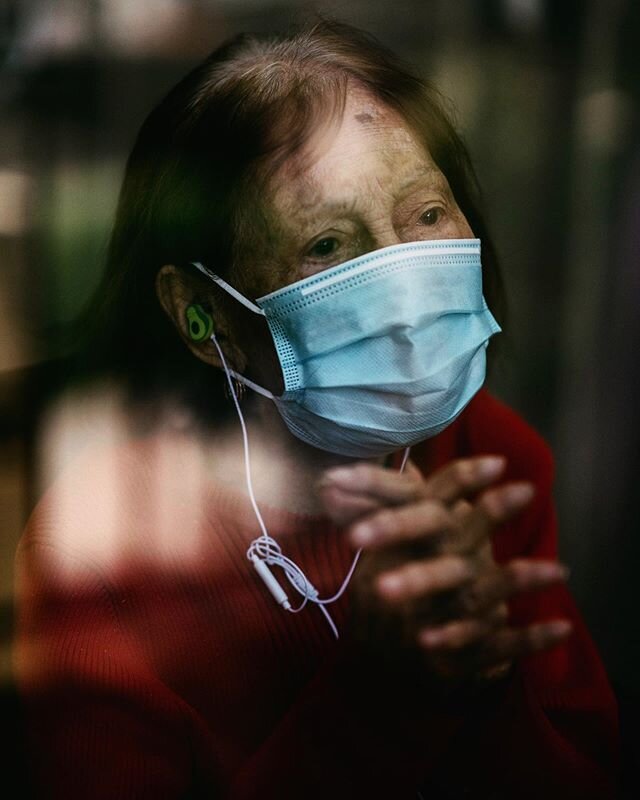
265 552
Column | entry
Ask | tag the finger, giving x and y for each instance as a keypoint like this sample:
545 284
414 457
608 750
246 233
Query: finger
463 477
499 584
345 507
483 597
457 479
421 578
386 485
455 635
493 508
511 643
461 509
494 673
408 523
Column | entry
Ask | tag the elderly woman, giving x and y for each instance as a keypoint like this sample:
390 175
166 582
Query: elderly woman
320 560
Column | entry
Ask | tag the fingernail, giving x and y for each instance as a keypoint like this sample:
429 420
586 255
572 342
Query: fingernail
565 571
390 584
555 571
518 495
491 466
561 627
362 534
430 637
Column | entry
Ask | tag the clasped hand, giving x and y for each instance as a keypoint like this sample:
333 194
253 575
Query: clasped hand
427 578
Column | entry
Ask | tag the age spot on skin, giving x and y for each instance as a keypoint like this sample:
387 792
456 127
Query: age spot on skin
364 118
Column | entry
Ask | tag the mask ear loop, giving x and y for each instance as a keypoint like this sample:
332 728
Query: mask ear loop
265 551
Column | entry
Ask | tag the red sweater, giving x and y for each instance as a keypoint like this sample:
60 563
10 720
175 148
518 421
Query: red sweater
154 664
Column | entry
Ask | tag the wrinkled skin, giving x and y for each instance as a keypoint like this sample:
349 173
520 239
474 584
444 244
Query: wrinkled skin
428 577
427 581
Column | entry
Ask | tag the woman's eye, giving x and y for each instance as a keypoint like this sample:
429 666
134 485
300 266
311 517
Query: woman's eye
431 216
324 247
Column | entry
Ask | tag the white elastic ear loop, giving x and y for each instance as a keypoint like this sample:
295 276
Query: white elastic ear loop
265 550
228 288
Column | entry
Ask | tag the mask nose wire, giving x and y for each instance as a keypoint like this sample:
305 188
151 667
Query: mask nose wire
265 551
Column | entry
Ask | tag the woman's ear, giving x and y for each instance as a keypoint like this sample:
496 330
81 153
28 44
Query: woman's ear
193 317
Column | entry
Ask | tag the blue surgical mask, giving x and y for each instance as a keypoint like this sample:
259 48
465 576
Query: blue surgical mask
380 352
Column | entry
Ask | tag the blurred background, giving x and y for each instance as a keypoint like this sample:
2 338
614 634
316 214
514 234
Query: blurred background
548 99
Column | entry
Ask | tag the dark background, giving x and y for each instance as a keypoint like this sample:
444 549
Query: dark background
547 98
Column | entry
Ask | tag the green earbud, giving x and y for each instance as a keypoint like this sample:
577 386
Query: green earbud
199 323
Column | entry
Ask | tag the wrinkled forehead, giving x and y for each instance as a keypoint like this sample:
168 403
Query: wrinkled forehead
367 141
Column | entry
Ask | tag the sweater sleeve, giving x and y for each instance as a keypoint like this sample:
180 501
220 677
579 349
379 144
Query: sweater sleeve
552 729
99 723
343 743
103 723
107 727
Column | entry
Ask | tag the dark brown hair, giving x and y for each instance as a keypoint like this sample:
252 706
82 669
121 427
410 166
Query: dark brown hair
203 154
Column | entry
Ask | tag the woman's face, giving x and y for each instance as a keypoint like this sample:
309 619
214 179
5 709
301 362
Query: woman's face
362 184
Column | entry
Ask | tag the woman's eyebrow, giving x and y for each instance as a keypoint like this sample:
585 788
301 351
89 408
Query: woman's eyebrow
315 211
311 200
427 174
